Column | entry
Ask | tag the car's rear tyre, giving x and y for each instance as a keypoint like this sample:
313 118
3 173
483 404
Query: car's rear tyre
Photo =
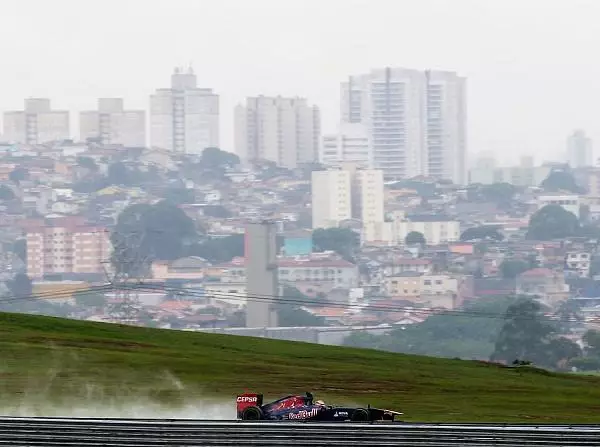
252 414
360 415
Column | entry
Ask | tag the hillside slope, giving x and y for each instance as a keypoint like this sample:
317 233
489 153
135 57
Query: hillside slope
63 360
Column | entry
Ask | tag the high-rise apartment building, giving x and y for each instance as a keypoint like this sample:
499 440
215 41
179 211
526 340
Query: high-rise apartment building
66 245
350 144
331 198
286 131
416 121
347 192
37 123
579 150
111 124
367 195
184 118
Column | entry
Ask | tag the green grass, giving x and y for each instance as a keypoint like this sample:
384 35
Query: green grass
63 360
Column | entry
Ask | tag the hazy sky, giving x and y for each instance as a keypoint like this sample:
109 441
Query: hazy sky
532 65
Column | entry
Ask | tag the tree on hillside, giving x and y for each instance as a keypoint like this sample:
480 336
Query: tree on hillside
118 174
218 250
177 195
290 312
468 335
569 315
218 211
511 268
18 174
150 232
528 335
89 298
87 163
552 222
213 158
415 238
499 193
20 286
19 248
486 232
561 180
423 189
6 193
341 240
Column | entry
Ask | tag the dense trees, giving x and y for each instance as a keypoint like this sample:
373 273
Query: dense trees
468 335
89 298
18 174
6 193
20 286
561 180
217 250
511 268
500 193
87 163
291 314
527 334
415 238
487 232
215 158
19 248
552 222
148 232
341 240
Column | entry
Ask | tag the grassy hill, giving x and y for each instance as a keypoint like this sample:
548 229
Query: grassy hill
66 362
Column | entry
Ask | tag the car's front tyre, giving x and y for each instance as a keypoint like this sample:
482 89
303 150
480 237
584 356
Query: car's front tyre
360 415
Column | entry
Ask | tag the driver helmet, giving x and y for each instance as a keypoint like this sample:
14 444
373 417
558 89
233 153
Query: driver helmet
320 402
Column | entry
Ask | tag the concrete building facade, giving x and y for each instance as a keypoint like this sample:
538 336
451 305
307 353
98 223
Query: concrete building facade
37 123
66 245
184 118
367 195
350 144
286 131
579 150
112 124
262 283
416 121
347 192
331 198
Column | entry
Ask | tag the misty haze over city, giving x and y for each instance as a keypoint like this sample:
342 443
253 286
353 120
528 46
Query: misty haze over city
531 77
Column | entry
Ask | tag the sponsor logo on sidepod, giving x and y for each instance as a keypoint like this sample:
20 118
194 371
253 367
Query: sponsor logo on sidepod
303 414
247 399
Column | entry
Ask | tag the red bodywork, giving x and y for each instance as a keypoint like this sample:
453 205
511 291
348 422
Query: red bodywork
248 400
290 402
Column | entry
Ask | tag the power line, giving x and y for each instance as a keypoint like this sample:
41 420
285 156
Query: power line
299 302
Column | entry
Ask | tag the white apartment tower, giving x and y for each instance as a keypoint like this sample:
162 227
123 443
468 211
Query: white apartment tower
331 198
367 195
37 123
184 118
415 120
351 144
579 150
347 192
111 124
286 131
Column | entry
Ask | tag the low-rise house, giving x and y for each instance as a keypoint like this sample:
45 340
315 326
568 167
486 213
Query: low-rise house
548 285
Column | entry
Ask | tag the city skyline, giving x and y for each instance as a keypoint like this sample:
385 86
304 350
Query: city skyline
511 71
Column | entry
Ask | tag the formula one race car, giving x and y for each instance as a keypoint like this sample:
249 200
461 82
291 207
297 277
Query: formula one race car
250 407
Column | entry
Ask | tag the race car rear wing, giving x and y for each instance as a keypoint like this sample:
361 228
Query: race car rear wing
246 400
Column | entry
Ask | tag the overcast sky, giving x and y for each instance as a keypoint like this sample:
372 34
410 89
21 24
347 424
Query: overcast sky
532 65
